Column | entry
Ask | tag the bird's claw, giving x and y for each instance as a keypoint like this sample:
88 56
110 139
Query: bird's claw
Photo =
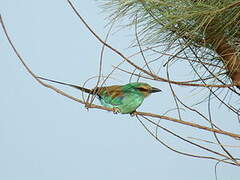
134 113
116 110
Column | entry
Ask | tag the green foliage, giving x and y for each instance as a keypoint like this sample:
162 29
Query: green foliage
197 21
202 31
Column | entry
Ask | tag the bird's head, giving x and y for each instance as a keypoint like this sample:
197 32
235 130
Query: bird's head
145 88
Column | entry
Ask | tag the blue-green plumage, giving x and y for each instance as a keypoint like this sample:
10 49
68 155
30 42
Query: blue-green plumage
125 99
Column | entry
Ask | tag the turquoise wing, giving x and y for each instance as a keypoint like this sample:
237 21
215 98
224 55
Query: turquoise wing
108 101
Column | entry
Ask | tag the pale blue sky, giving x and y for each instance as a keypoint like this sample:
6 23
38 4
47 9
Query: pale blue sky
44 136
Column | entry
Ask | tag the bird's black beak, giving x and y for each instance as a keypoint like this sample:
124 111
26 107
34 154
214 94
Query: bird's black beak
154 90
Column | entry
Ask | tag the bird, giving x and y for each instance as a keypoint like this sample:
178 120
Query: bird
124 99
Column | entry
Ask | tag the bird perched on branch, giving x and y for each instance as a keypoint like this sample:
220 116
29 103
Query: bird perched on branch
124 99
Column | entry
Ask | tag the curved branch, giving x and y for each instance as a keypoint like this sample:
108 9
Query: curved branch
136 66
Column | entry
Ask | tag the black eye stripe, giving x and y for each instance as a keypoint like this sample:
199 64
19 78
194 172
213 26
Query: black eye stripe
142 89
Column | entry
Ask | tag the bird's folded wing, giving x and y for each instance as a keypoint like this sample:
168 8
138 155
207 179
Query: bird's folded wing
117 100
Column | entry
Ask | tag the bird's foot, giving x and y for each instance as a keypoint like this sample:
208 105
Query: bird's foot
134 113
116 110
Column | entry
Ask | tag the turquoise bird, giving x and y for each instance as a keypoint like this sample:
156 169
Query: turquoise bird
124 99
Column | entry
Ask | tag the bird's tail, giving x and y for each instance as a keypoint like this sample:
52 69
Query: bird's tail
71 85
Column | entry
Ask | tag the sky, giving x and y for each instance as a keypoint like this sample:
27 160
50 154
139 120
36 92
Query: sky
46 136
